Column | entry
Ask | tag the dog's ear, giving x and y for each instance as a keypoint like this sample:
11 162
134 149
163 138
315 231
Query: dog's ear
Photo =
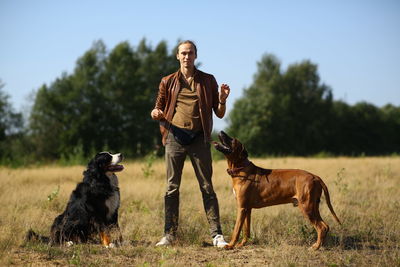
243 152
102 161
235 143
90 172
91 164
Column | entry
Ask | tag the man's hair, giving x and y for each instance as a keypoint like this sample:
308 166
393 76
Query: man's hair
187 42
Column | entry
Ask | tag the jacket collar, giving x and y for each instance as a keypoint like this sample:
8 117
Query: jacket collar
180 74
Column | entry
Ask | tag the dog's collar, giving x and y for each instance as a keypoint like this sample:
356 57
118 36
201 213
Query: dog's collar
234 172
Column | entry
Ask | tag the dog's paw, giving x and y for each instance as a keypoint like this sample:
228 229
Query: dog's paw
228 247
69 244
111 245
314 247
242 244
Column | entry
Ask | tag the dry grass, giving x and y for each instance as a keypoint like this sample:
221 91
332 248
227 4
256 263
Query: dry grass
365 193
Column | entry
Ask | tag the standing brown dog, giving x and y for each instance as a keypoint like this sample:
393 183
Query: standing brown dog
255 187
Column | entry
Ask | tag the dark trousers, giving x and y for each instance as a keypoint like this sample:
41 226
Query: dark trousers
200 156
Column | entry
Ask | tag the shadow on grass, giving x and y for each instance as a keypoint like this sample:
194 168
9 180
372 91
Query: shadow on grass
351 242
206 244
141 243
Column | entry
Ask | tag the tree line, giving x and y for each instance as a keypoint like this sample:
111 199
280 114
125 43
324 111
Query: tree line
292 113
104 104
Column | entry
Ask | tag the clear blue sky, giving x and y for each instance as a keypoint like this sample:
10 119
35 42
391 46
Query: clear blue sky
356 43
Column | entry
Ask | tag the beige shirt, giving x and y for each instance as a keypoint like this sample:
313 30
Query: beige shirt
187 113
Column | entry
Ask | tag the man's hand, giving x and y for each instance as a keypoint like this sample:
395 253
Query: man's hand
157 114
224 93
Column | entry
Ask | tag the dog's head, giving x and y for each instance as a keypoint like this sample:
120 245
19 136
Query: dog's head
106 162
234 151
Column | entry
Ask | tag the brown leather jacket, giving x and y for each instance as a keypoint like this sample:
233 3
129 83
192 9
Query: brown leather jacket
207 91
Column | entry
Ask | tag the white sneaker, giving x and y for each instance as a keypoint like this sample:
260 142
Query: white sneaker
166 240
219 241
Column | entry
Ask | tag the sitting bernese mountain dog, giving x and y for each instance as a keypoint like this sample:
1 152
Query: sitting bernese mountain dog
92 210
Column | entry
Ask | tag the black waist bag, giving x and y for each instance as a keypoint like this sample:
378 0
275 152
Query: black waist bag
183 136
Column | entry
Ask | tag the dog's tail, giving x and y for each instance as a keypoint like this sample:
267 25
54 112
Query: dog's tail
328 200
32 236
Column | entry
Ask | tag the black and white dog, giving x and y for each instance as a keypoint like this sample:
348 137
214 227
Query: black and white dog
93 206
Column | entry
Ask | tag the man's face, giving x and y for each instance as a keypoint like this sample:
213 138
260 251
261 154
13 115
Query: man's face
186 55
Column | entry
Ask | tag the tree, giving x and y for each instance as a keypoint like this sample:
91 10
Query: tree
11 125
283 113
365 129
293 113
155 64
391 131
104 104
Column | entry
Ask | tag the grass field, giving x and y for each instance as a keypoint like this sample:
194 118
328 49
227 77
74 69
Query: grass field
365 193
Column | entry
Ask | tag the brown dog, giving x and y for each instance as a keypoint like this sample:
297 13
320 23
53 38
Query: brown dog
255 187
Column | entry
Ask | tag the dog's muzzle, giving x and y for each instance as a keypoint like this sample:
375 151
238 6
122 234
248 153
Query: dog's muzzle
114 166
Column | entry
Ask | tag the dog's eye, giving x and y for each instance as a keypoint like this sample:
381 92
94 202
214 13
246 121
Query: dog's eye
103 160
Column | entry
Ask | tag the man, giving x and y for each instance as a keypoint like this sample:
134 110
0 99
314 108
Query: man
184 106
